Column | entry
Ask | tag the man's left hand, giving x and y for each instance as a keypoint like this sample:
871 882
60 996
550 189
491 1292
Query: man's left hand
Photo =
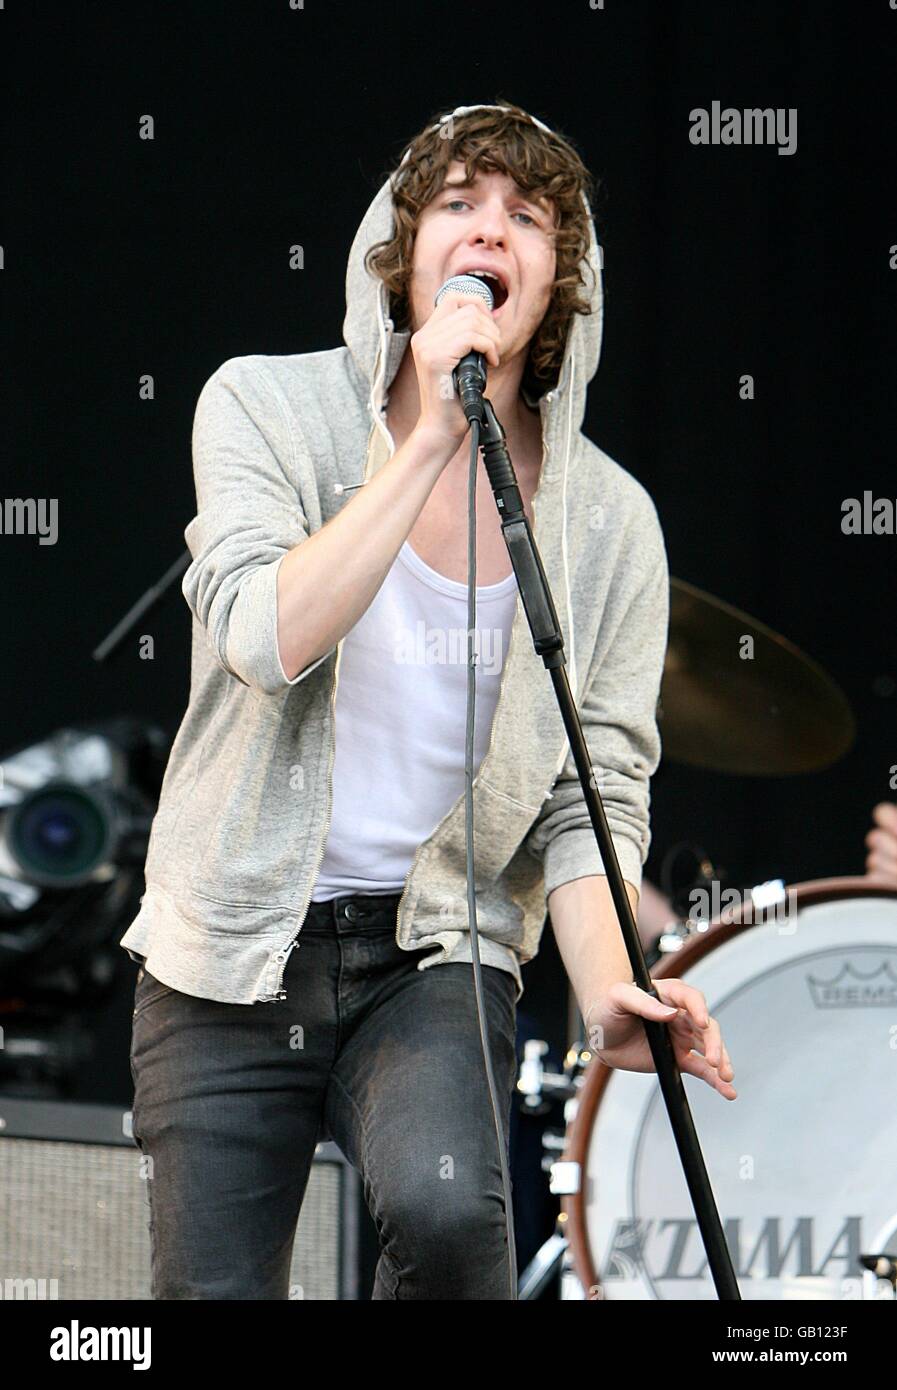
618 1038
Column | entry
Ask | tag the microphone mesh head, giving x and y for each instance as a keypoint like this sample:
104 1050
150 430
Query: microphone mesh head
467 284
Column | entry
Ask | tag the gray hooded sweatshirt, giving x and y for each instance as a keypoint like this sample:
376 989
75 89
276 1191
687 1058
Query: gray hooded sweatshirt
239 834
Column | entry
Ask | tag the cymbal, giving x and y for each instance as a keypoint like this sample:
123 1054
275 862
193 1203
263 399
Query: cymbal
738 697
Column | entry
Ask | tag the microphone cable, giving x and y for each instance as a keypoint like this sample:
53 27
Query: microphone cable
468 826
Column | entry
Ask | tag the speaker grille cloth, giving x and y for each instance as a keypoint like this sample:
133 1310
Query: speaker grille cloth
78 1213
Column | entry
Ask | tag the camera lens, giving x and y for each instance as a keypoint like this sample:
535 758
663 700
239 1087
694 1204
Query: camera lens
59 834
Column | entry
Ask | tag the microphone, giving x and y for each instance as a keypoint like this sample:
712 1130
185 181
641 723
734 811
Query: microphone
469 377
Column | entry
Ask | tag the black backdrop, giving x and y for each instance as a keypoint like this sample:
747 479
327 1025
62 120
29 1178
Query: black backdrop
274 126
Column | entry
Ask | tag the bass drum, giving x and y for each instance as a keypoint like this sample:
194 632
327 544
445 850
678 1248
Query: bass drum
803 1164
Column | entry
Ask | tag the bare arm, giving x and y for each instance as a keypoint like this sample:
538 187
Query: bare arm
589 938
327 582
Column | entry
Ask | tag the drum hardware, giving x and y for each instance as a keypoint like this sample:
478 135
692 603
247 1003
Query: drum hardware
753 902
676 935
543 1267
538 1088
687 869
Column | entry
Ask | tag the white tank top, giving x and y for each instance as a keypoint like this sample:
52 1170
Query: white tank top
400 718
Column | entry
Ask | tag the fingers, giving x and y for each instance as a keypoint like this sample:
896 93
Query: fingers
691 1027
698 1066
489 336
702 1053
704 1029
685 997
881 871
882 857
883 840
460 301
717 1057
885 815
473 311
632 1000
474 307
488 348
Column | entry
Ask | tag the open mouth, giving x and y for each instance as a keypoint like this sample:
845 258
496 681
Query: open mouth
497 286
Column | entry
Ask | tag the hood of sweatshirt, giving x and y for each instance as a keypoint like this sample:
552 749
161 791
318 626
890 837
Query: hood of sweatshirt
377 348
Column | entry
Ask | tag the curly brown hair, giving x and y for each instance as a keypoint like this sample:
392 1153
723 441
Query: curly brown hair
506 141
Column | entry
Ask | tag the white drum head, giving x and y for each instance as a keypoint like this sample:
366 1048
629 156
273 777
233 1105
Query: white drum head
803 1164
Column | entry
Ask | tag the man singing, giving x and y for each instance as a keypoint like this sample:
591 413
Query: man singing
304 942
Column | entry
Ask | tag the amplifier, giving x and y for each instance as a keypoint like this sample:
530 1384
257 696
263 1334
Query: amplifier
74 1209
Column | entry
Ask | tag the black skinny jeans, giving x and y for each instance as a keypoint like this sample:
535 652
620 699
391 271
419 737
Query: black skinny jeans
231 1099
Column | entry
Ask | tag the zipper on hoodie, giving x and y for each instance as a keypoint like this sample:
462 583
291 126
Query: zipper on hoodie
501 685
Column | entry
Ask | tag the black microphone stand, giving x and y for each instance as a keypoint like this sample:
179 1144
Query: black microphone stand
548 641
